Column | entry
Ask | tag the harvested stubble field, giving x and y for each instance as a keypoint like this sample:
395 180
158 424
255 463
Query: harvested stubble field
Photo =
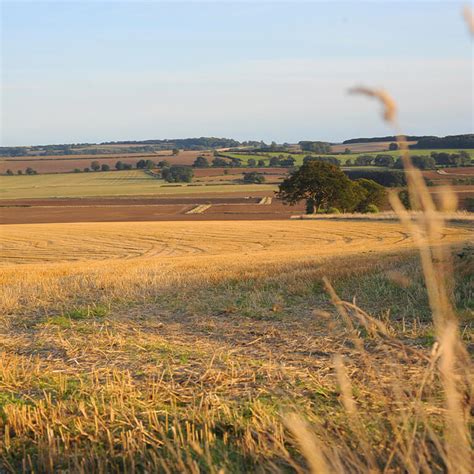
185 347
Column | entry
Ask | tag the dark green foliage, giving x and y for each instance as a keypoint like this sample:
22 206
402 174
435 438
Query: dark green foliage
421 162
453 141
164 164
9 172
387 178
364 160
30 171
393 146
219 162
251 163
384 160
375 195
119 165
261 163
316 147
322 185
95 166
469 204
462 158
404 197
391 138
322 159
254 177
105 167
177 174
201 162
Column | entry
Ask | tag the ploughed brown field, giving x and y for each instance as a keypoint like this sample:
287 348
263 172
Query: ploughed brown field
237 207
67 163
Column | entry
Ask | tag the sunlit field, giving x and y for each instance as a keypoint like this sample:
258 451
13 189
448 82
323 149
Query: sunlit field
108 183
186 346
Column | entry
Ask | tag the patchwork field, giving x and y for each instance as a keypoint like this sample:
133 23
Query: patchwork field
109 183
342 158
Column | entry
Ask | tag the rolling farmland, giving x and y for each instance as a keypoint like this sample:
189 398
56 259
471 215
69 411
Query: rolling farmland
109 183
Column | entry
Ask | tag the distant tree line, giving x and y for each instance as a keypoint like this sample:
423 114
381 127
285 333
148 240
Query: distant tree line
201 143
452 141
28 171
390 138
315 147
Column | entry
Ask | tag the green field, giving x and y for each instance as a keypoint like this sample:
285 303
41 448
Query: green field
342 158
111 183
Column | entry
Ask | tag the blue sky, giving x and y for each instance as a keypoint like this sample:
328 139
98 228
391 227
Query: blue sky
95 71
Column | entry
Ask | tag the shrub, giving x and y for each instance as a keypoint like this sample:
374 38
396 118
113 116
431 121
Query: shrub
95 166
469 204
388 178
105 167
254 177
177 174
372 209
333 210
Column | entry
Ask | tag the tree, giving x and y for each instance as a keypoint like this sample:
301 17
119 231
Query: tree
254 177
393 146
316 147
119 165
105 167
375 195
251 163
322 184
127 166
9 172
219 162
86 170
149 164
261 163
30 171
421 162
164 164
274 161
287 162
77 170
177 174
201 162
384 160
95 166
140 164
19 172
175 151
363 160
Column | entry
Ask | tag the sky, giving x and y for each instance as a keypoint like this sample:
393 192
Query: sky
89 71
